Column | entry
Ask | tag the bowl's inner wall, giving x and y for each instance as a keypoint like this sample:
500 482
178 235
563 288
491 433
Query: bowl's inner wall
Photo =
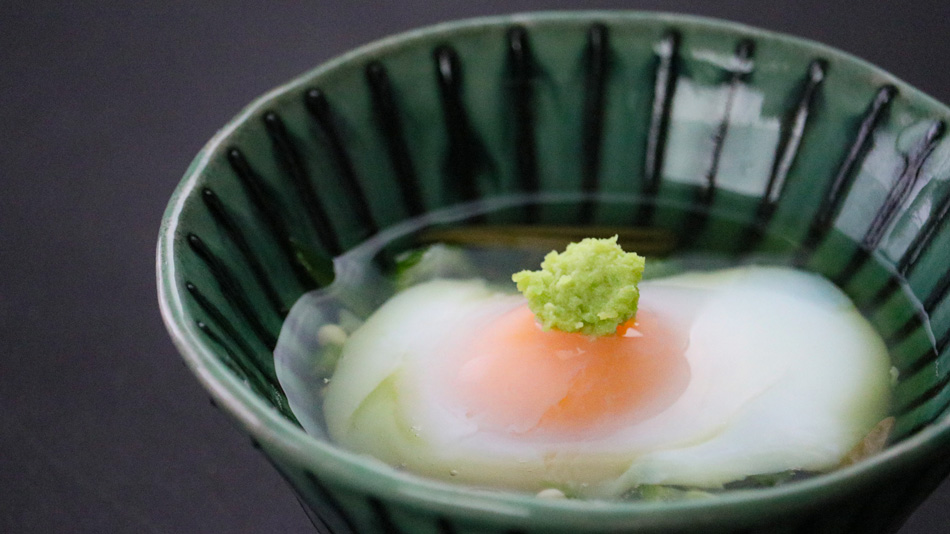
734 144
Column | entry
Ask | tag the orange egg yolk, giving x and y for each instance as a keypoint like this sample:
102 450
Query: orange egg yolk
518 378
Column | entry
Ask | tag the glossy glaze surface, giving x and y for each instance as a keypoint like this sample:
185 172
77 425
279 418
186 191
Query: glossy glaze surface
734 139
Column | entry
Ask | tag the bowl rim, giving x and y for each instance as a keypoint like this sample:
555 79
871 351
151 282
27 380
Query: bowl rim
279 436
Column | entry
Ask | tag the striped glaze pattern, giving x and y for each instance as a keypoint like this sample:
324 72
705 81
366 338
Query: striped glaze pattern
843 170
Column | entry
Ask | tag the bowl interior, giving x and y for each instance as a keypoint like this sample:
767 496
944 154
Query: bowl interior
718 138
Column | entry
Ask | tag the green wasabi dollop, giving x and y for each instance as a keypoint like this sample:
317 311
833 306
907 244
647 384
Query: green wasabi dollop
590 288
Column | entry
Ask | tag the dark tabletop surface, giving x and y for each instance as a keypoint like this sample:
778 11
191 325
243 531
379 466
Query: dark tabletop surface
102 429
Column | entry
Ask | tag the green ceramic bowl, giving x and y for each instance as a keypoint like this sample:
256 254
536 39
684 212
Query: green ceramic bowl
728 138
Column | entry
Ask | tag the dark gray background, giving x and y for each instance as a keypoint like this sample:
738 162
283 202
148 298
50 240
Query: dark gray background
103 107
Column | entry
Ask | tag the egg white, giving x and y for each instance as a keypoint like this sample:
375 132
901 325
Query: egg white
784 374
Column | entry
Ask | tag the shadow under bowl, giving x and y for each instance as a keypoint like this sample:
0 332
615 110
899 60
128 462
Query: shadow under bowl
719 137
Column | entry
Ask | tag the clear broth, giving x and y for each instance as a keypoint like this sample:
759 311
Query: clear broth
489 240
